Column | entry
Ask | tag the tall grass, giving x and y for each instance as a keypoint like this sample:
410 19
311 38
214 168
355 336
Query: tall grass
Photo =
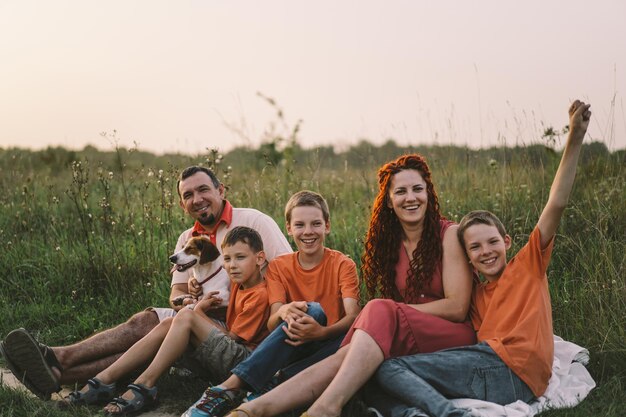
87 234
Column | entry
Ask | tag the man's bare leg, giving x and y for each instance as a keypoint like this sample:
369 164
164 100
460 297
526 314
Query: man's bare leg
87 358
81 373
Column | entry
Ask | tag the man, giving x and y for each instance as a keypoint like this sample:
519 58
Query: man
43 368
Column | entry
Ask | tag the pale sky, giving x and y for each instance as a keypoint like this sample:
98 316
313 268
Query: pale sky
171 75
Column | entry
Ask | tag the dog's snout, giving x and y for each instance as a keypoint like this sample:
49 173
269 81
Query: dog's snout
173 258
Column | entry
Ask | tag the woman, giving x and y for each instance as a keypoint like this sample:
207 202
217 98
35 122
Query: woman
414 261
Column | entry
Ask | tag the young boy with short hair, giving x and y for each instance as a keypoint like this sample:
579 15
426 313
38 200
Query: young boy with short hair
511 311
217 348
303 331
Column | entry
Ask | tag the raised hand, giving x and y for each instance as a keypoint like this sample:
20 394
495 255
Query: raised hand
579 116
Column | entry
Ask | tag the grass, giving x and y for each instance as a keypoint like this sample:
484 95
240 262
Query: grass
87 237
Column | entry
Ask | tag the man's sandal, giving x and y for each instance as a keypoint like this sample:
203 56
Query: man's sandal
21 376
144 397
34 360
97 393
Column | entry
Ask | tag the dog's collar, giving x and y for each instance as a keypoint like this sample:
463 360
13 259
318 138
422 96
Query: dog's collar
210 276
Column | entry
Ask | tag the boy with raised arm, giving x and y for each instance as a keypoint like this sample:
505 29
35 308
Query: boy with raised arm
511 312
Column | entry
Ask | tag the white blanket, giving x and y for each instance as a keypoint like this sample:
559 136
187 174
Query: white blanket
569 384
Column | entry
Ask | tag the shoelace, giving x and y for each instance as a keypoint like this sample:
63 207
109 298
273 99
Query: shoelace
205 405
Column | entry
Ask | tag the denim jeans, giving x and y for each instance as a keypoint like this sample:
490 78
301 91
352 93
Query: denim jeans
273 354
428 381
389 406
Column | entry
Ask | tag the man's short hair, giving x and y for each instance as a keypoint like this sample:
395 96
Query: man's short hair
306 198
194 169
479 217
246 235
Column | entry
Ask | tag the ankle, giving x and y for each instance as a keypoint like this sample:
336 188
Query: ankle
104 378
322 411
148 383
225 386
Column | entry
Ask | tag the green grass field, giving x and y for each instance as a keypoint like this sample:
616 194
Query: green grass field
86 237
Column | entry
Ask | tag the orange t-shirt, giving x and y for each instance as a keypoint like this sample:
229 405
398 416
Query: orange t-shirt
514 315
328 283
248 312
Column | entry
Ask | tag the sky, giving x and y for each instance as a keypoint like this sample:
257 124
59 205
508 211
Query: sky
185 76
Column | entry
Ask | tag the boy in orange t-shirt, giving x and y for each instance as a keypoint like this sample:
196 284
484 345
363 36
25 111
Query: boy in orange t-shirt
511 311
313 296
217 346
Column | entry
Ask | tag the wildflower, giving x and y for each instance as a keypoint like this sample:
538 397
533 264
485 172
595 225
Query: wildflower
110 175
493 163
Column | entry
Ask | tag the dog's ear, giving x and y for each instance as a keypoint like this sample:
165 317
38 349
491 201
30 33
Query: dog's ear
209 252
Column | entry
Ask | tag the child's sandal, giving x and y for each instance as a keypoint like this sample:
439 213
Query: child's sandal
97 392
143 398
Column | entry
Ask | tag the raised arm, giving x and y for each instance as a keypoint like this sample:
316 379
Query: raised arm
579 115
457 282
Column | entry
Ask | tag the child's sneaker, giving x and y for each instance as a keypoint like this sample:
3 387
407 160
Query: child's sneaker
215 402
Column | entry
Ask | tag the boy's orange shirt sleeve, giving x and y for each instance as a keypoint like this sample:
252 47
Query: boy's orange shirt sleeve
251 312
276 291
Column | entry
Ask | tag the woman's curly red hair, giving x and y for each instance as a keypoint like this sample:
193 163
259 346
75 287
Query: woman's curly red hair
384 236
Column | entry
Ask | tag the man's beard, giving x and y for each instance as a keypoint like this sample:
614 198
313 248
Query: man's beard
207 219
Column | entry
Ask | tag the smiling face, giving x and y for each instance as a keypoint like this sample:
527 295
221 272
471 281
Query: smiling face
308 229
201 199
242 264
486 249
408 197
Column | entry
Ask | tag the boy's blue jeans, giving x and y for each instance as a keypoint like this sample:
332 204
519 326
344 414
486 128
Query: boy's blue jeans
273 354
427 381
